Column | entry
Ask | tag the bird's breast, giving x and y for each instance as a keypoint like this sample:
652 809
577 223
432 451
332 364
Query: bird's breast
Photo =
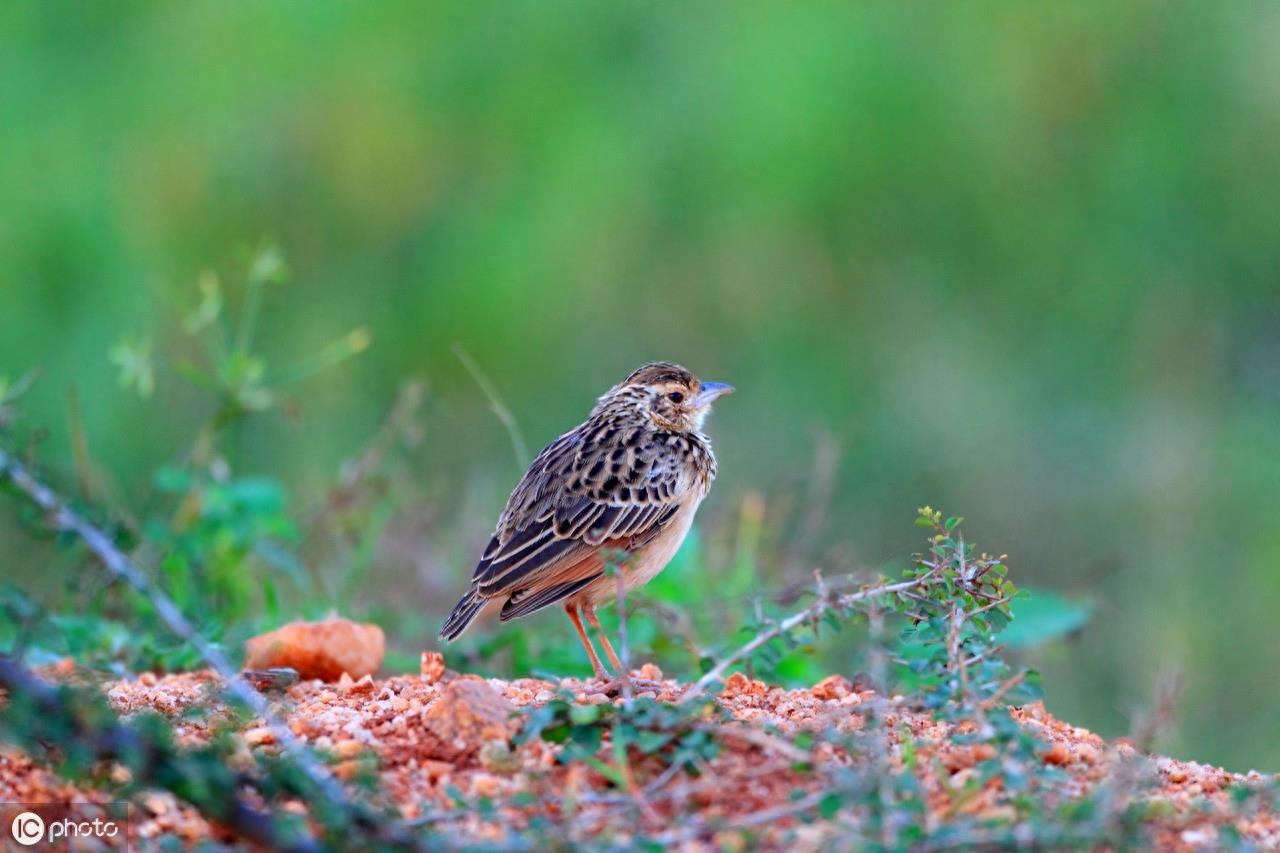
654 557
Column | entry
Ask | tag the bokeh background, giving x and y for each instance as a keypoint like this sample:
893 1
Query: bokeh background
1016 261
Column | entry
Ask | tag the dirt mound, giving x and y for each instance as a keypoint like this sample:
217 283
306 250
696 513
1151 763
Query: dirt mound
438 740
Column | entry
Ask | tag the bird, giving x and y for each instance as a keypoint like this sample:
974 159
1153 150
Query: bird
619 489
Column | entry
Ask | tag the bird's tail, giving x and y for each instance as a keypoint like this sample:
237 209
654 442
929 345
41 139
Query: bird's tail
463 613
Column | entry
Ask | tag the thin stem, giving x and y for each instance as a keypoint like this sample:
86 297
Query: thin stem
249 315
820 606
624 653
60 517
701 828
993 700
495 405
110 742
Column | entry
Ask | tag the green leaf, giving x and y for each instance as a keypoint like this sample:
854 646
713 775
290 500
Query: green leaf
1042 616
556 734
268 267
173 480
210 307
649 742
584 714
133 358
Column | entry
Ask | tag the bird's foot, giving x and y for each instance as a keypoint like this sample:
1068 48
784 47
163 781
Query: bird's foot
604 683
614 686
646 685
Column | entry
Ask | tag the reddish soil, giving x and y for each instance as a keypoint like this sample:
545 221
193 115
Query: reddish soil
428 734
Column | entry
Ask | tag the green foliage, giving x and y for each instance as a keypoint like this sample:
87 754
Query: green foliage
949 647
225 545
217 528
137 369
678 735
1028 270
74 730
93 638
953 602
1042 616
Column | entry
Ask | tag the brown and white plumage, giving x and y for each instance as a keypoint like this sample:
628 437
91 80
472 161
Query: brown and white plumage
629 479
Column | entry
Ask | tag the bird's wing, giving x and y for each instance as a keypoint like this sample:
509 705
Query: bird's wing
587 492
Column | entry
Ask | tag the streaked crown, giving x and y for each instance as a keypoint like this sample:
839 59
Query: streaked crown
666 394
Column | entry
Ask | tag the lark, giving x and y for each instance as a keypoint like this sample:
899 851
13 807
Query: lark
619 489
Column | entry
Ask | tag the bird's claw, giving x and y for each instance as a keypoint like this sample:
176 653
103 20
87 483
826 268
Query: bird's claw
614 686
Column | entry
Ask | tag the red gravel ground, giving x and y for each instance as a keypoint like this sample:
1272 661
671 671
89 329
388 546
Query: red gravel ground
428 734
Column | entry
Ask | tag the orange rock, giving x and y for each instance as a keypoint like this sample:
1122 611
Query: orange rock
432 667
347 749
1035 711
649 671
434 770
323 650
259 735
468 715
1058 754
363 686
963 757
347 770
832 687
739 683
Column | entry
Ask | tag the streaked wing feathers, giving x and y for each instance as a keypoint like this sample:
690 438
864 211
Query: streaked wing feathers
526 602
590 489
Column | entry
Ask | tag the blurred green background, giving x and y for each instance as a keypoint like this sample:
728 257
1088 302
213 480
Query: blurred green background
1017 261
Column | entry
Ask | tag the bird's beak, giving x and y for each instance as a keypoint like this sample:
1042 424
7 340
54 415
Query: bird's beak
710 392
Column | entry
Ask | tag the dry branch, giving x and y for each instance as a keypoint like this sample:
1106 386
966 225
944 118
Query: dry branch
823 603
59 516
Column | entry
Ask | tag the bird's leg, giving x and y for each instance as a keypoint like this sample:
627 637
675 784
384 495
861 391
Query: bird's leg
642 683
596 666
593 620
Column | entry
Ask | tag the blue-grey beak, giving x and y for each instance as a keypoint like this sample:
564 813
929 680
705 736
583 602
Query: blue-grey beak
710 392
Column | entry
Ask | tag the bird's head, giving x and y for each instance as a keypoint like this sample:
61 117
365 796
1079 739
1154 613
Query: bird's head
671 396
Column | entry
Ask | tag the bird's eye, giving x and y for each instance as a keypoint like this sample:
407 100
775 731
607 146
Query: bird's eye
676 397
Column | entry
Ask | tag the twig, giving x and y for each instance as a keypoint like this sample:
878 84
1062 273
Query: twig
813 611
79 443
624 653
116 739
955 654
399 421
1148 727
707 780
61 517
994 699
983 655
11 394
663 778
701 828
884 792
624 675
821 479
996 602
495 405
762 739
